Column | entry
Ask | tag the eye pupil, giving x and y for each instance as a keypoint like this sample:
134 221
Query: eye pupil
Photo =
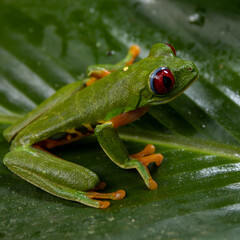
161 81
167 82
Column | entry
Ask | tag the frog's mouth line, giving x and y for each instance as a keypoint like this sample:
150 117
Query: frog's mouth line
179 93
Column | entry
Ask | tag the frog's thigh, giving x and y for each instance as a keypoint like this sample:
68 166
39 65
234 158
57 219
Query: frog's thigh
56 176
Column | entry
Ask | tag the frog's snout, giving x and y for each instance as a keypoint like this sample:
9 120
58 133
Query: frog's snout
192 70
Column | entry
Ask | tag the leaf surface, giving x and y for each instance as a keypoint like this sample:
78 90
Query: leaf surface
47 44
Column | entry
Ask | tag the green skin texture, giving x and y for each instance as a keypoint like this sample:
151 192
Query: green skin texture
75 105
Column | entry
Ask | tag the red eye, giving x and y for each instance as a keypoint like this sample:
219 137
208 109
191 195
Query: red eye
161 81
171 48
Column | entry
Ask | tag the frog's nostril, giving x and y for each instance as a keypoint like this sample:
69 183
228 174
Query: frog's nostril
190 69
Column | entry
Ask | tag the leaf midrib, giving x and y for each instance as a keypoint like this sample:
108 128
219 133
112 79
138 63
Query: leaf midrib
180 142
170 141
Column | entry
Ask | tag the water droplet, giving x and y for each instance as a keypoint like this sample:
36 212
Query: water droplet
194 18
111 52
197 18
98 44
221 66
110 219
92 10
154 12
81 76
203 126
80 24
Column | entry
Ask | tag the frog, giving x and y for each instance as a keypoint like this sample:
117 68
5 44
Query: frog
111 96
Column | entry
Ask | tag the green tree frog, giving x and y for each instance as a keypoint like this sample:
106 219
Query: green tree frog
111 96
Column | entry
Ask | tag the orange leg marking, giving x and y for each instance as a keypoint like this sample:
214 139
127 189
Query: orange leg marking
100 73
100 186
72 136
128 117
147 156
91 81
134 51
49 143
96 75
39 147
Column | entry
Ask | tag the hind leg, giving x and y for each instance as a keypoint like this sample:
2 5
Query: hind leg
58 177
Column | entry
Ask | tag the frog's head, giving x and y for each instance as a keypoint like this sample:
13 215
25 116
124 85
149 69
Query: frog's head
169 76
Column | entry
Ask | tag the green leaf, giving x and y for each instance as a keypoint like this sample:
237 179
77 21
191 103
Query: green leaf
47 44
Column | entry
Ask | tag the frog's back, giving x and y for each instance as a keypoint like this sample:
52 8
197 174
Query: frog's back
89 106
60 96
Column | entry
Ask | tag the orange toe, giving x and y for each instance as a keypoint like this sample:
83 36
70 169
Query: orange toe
149 149
120 194
158 158
104 204
152 185
135 50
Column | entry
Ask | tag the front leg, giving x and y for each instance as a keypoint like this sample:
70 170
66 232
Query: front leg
96 72
113 146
